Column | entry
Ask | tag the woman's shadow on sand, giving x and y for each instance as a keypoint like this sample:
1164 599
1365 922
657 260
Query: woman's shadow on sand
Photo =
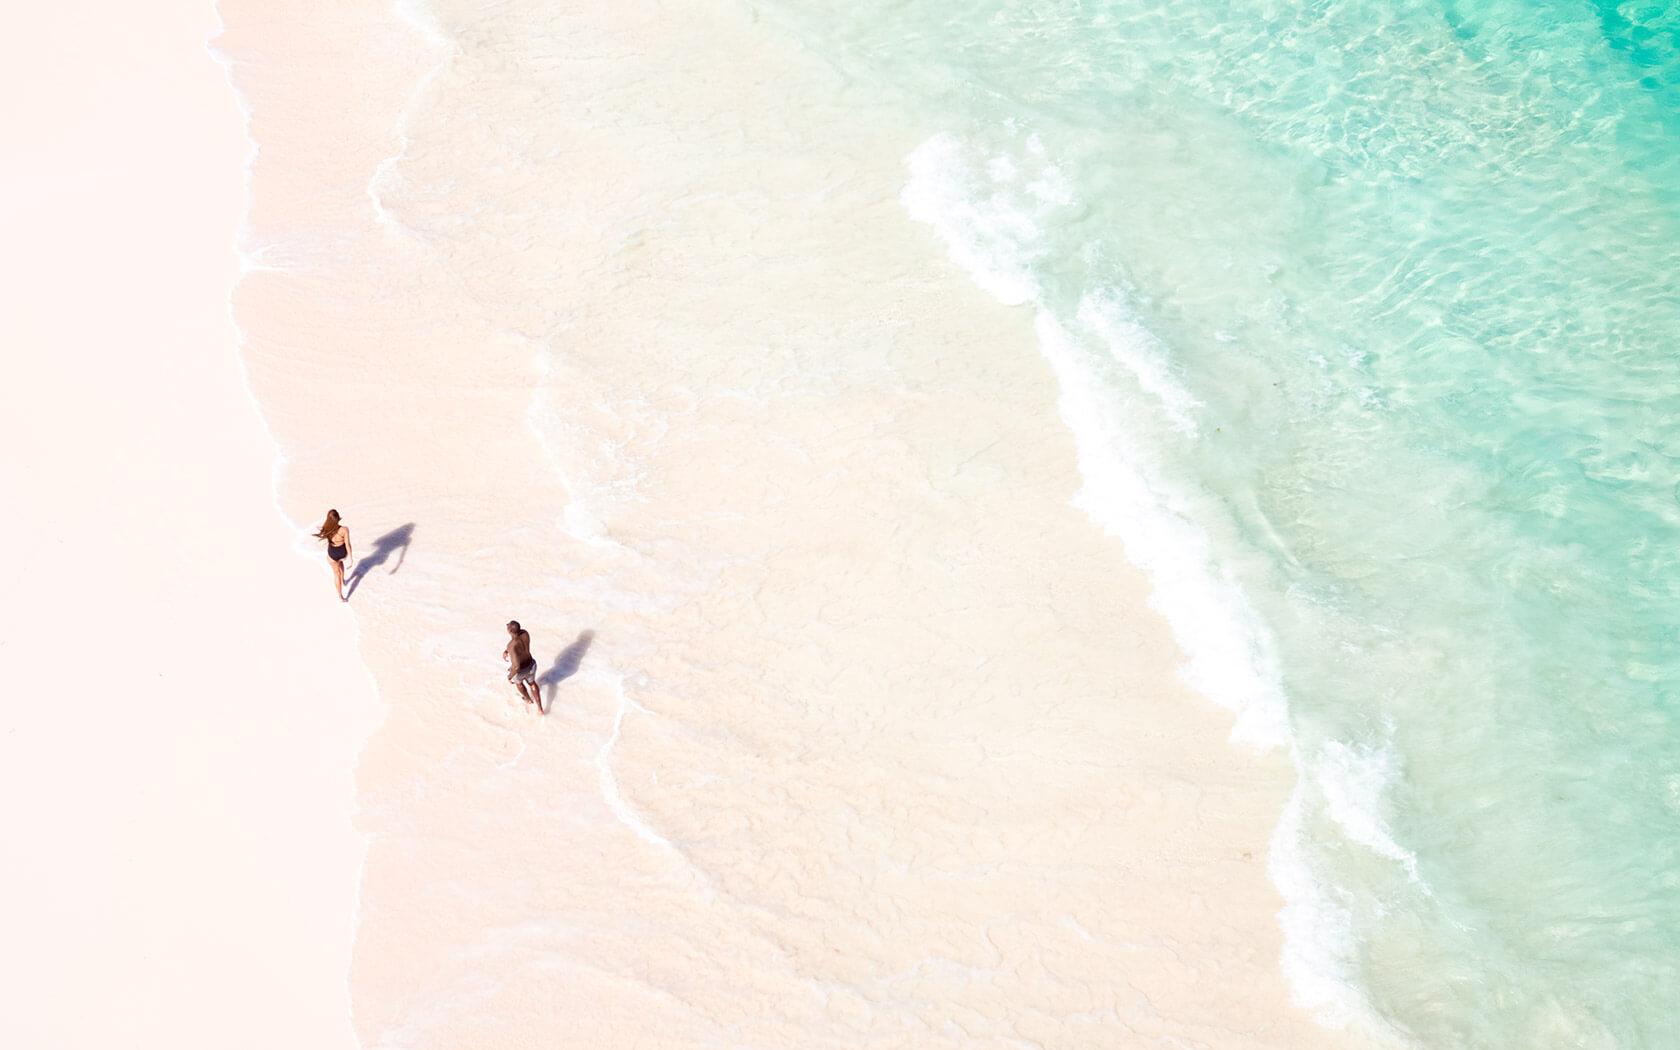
394 542
566 664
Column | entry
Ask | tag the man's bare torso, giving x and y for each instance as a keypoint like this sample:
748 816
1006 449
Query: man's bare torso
519 650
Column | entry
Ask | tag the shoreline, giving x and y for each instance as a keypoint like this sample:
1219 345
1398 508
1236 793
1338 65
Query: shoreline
196 703
1227 655
789 543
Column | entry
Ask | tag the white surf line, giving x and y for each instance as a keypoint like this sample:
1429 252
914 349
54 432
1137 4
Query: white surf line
249 262
609 784
992 228
577 521
415 15
302 545
242 231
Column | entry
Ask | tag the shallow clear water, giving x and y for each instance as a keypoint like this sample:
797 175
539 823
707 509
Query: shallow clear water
1365 318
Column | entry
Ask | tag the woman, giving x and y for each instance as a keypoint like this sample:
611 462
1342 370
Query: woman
338 548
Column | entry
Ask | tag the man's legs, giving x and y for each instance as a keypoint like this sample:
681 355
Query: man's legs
532 697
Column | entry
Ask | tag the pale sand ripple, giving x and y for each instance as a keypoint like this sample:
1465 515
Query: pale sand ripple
876 742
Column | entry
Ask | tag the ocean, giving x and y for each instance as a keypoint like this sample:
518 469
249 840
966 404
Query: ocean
1365 323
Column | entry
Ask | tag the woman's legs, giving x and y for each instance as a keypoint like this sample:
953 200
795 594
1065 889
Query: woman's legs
338 577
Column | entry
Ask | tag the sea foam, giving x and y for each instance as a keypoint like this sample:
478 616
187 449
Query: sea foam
993 213
424 23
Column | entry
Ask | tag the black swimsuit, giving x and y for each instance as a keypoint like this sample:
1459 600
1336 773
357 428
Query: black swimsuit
335 552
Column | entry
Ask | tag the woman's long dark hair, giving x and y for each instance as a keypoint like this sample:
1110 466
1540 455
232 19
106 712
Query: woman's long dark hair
328 527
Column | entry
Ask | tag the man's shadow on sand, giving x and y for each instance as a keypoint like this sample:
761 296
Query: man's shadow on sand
394 542
566 664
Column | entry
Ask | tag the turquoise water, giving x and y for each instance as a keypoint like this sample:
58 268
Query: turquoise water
1380 300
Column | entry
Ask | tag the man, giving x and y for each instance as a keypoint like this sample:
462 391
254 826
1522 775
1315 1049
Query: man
522 666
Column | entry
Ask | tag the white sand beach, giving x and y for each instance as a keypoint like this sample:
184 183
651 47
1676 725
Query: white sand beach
860 733
183 698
